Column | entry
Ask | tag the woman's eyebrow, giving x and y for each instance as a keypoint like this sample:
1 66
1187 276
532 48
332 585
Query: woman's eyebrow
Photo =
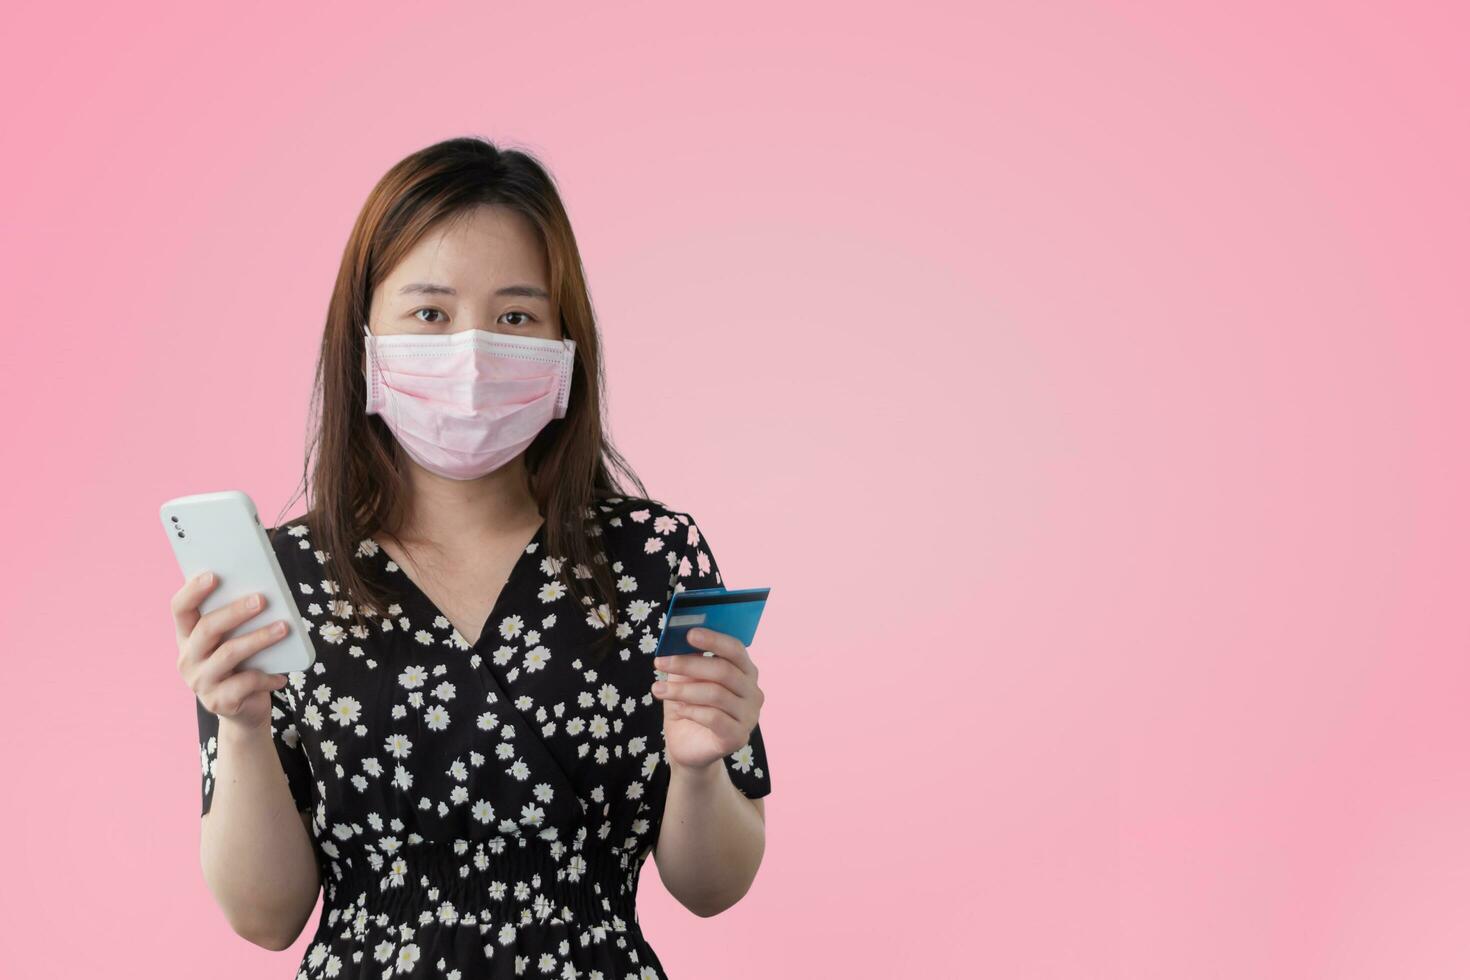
519 289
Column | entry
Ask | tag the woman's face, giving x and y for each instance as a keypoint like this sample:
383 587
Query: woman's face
484 269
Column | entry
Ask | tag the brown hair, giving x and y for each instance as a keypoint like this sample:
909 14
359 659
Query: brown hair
357 483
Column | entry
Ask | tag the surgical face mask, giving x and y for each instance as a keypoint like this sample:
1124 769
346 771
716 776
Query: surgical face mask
464 404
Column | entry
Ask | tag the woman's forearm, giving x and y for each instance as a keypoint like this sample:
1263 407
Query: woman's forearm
257 857
711 842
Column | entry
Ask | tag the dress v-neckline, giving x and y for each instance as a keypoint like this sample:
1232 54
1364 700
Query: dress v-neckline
523 558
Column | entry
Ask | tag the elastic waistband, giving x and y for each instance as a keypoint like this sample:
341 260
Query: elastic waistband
591 884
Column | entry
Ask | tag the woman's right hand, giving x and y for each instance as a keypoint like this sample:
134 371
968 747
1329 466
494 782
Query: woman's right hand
208 665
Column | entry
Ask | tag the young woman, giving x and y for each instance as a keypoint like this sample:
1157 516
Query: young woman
485 751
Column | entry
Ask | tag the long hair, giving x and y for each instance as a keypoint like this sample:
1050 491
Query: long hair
354 472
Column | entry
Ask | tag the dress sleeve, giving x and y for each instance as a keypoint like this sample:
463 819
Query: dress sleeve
284 733
288 748
696 569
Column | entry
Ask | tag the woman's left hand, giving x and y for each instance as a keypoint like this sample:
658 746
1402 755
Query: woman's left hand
711 704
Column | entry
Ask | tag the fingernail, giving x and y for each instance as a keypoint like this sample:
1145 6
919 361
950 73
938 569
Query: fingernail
696 636
205 578
660 661
659 687
255 602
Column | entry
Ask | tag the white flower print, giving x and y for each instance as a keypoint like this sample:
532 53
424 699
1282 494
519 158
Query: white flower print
317 955
398 746
407 957
536 659
742 759
346 710
437 718
413 677
510 627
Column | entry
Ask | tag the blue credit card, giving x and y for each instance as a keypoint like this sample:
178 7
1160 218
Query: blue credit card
733 611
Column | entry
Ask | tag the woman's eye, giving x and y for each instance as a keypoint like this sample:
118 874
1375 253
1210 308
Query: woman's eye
426 309
518 313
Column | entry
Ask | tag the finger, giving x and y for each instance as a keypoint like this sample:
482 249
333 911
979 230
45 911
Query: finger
722 645
730 730
228 696
236 649
185 603
704 692
213 626
698 667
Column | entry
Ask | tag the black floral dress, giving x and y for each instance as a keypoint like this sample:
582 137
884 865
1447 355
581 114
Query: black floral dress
484 810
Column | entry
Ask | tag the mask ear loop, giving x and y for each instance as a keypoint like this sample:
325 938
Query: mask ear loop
568 364
371 351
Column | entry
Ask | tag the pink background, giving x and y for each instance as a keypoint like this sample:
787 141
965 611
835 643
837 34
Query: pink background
1086 380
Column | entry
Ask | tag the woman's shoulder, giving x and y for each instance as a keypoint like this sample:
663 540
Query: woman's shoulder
291 541
644 529
640 514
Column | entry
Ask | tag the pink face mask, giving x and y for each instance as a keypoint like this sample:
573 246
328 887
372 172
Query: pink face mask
464 404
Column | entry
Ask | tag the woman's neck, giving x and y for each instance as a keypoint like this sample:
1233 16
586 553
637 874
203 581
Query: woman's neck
452 513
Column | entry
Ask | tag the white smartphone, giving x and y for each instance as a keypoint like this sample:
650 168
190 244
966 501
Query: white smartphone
221 532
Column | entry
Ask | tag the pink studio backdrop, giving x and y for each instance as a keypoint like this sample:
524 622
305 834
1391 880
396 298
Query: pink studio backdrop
1087 381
